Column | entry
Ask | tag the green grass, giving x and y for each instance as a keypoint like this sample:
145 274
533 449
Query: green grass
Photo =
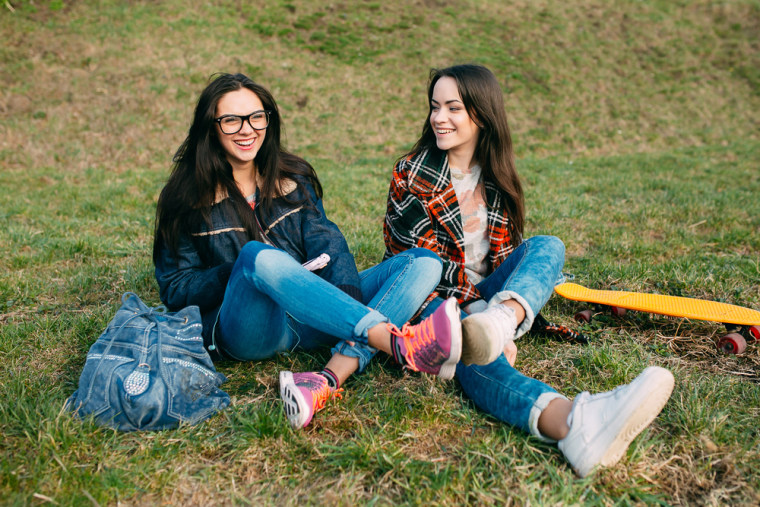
638 140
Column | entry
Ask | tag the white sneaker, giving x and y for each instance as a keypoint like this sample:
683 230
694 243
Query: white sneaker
485 334
603 425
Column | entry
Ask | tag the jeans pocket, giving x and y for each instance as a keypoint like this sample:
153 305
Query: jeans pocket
193 390
99 374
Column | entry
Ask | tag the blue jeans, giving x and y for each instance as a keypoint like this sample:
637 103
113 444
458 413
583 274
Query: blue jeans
528 275
273 304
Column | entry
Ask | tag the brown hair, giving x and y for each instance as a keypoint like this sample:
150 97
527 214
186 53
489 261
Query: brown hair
484 102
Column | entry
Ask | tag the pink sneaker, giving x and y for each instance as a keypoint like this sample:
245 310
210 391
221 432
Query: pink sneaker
432 346
304 394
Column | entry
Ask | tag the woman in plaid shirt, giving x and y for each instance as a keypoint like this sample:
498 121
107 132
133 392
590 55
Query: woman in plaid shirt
458 194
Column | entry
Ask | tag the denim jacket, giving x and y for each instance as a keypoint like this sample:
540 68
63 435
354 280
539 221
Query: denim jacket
198 273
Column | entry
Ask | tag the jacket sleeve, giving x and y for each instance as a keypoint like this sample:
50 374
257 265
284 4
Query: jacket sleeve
184 280
408 225
320 235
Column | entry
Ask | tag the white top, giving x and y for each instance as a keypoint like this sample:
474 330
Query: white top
474 212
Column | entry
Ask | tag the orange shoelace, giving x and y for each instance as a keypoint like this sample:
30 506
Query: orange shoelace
324 394
415 338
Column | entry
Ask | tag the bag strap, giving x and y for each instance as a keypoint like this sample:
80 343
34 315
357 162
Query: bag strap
153 314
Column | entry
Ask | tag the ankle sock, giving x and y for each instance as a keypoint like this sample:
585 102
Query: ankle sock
397 355
331 377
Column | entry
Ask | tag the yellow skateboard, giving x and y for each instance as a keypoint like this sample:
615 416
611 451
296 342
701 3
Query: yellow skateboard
742 323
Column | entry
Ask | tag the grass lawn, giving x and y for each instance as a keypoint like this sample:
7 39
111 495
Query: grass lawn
637 133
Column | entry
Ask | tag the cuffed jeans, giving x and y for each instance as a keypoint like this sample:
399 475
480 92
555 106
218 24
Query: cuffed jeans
273 304
528 276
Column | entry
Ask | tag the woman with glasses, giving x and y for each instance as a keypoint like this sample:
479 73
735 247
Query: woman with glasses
457 192
241 232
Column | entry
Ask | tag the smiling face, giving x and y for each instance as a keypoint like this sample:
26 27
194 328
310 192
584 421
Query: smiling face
240 148
455 131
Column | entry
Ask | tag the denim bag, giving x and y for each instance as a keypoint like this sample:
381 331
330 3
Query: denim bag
149 371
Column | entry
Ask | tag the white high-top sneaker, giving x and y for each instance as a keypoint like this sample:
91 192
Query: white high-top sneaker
603 425
485 333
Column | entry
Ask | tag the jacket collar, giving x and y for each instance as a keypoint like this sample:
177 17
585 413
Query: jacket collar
430 174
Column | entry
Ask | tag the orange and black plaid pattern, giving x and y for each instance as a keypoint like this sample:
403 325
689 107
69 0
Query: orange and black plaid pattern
423 211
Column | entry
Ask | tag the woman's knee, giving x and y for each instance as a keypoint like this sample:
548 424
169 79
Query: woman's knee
420 252
426 259
257 256
252 249
549 249
548 243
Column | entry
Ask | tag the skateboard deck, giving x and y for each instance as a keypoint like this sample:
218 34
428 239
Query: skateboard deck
674 306
731 316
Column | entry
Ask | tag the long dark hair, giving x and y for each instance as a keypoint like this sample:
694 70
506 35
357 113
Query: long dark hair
484 102
201 172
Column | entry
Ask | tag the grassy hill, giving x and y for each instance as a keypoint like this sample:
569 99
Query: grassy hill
638 139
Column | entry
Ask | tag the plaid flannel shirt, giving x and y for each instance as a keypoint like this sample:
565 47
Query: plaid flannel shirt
423 211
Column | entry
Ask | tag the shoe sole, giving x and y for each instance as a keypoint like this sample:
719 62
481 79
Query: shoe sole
477 345
295 405
449 367
661 383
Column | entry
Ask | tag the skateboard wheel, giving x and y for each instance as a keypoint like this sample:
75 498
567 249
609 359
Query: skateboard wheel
617 311
732 343
584 316
754 332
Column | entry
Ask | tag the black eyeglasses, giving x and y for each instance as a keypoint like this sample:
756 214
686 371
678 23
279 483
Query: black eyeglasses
233 123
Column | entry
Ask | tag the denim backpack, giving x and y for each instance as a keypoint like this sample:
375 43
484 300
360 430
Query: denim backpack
149 371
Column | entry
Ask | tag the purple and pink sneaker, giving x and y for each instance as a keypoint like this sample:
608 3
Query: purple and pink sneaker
434 345
305 394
